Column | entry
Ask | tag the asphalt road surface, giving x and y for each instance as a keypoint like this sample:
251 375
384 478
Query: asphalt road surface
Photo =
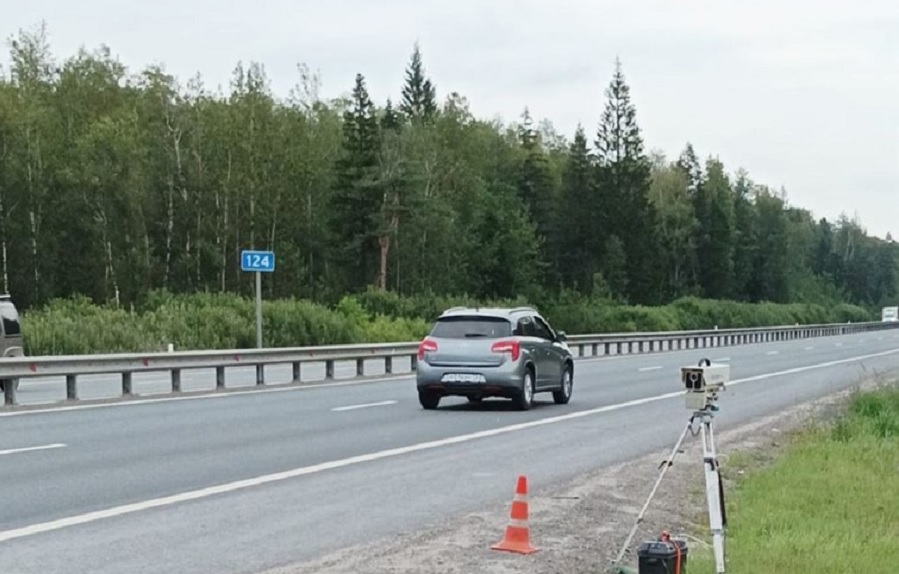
239 483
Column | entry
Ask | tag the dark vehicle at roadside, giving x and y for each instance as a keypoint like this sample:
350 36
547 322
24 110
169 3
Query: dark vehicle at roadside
11 344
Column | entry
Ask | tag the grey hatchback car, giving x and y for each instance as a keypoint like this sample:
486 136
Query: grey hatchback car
478 353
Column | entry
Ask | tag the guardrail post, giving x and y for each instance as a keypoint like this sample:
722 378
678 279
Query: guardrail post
388 365
618 349
71 388
640 347
260 375
176 380
127 391
413 363
220 377
360 367
594 349
329 369
296 371
9 391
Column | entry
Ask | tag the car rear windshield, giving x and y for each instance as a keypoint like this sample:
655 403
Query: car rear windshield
471 327
10 320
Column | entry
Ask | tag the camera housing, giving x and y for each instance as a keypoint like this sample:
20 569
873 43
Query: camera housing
704 382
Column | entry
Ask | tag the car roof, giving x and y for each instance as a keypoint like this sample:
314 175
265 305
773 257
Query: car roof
499 312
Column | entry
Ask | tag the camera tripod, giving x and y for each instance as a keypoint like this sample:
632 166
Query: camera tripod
714 488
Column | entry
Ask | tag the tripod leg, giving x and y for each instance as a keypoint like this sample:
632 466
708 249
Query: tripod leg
666 464
714 495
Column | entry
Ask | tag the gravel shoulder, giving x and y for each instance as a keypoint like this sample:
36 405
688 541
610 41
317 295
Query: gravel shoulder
579 527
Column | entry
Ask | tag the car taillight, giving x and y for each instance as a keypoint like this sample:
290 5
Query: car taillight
511 347
426 346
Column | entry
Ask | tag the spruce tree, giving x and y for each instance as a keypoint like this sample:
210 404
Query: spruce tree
419 96
624 176
357 196
714 207
536 187
391 119
745 241
582 239
689 164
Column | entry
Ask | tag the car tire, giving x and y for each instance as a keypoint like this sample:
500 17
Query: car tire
429 400
3 383
563 395
525 397
475 399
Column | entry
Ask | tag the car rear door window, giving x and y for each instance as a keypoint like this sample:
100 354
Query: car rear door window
542 330
466 327
525 328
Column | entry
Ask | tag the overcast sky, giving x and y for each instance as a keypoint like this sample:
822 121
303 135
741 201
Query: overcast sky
803 94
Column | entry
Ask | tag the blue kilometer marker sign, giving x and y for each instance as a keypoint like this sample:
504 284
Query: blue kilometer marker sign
263 261
258 262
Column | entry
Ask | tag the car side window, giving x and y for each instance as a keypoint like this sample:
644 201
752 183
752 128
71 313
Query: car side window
543 330
10 320
526 328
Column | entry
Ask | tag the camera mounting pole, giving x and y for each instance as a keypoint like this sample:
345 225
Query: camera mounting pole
703 384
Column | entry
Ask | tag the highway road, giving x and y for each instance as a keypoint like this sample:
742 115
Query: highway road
238 483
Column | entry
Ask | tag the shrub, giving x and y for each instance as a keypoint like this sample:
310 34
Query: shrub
227 321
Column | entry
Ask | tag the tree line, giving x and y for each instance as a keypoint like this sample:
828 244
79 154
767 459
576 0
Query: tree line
114 184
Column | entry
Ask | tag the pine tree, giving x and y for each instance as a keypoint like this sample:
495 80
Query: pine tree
624 179
419 96
357 197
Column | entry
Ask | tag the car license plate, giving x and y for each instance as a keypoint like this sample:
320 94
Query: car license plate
463 378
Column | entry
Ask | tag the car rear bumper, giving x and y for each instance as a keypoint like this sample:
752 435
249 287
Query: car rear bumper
457 380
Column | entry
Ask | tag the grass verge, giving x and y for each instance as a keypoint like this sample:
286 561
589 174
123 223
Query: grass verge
826 504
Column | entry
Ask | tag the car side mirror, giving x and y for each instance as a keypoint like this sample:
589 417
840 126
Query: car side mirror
562 336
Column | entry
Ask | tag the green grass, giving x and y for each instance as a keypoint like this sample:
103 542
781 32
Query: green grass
829 504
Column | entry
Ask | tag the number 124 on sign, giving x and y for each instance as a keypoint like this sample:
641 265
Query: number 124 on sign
257 261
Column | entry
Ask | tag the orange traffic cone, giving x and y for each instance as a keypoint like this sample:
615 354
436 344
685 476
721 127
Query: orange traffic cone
518 538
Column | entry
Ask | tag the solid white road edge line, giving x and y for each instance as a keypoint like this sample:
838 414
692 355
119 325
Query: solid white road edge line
646 369
32 448
365 406
306 470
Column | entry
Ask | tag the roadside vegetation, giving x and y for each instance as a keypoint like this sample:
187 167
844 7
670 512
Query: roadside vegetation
826 504
220 321
119 185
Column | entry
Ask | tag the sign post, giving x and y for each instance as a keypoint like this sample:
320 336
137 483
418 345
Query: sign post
258 262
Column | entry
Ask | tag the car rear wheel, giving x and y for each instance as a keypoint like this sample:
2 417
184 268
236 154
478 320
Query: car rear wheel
428 399
563 395
525 397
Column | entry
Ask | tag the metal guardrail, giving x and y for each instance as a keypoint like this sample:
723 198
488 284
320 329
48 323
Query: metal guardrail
611 344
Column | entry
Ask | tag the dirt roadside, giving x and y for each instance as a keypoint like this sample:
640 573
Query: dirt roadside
580 527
